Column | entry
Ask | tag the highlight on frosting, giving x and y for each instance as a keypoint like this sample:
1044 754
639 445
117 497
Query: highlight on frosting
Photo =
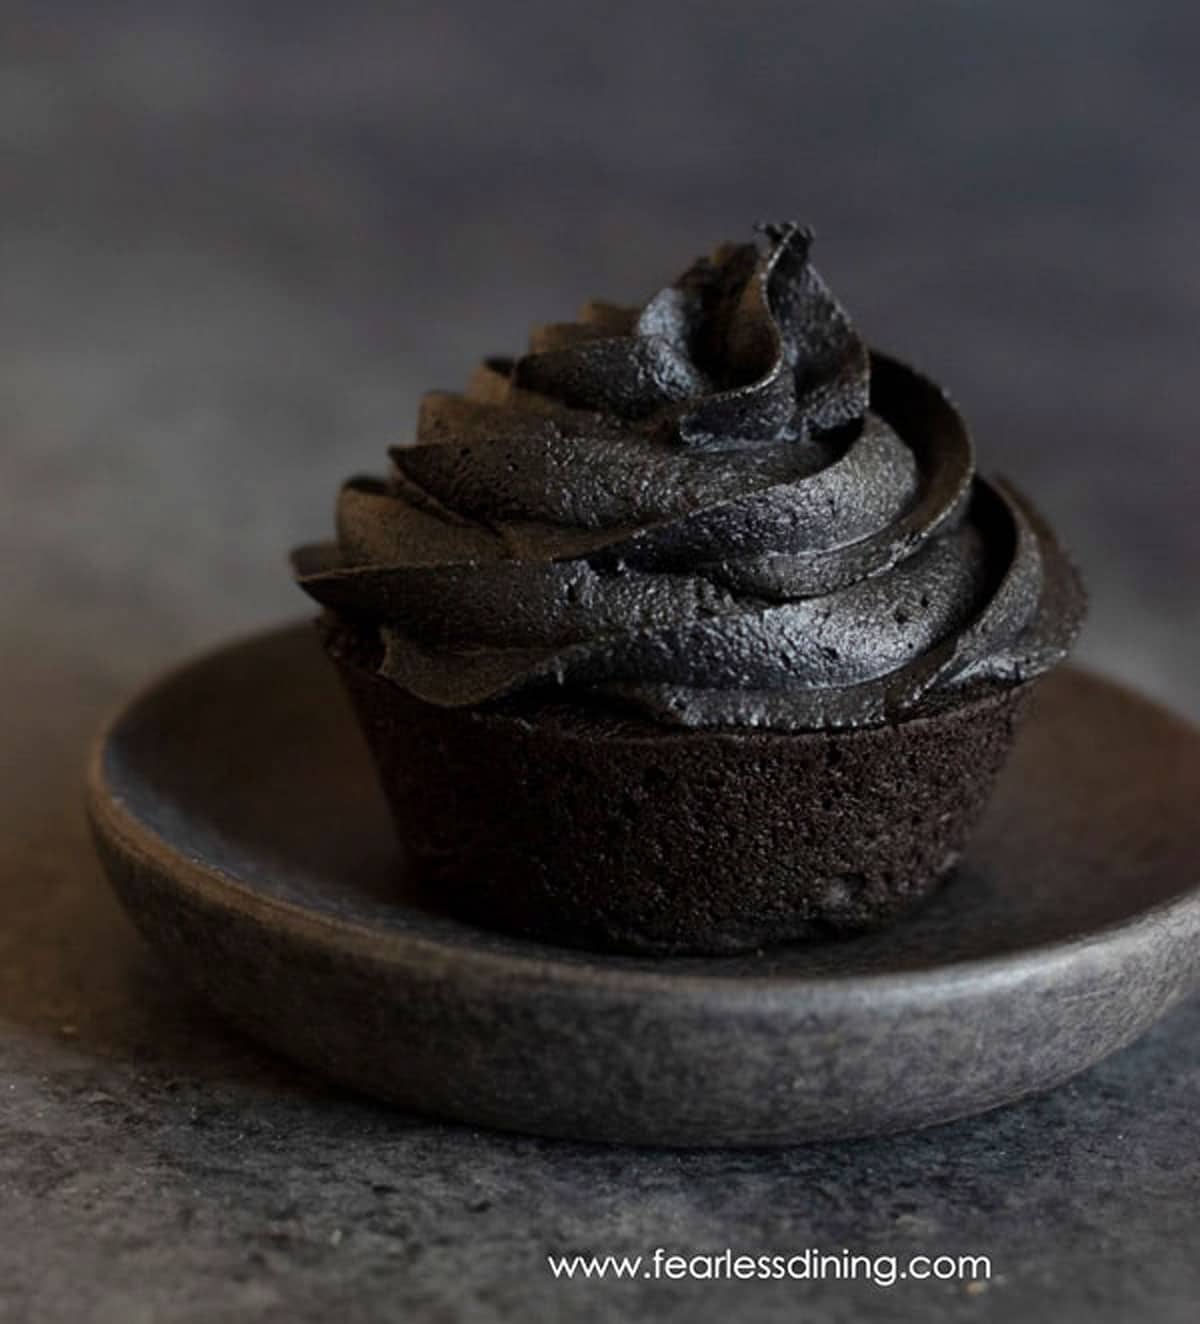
720 509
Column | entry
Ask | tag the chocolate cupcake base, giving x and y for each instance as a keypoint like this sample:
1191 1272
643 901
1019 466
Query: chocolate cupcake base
589 830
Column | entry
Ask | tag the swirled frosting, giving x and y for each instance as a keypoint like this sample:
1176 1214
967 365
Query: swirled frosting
720 509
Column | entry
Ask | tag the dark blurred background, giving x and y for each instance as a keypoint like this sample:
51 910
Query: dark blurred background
238 240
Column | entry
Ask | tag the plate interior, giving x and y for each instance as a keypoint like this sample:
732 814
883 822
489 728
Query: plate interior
250 762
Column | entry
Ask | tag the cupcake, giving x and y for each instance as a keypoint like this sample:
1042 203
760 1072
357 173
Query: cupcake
693 628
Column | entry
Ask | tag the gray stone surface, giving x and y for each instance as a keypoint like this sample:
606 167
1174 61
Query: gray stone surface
234 246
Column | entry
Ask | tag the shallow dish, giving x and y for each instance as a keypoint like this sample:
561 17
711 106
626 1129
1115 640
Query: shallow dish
237 814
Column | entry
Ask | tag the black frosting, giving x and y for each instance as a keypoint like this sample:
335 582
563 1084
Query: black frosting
721 509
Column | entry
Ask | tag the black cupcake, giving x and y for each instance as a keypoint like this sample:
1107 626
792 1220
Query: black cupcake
693 629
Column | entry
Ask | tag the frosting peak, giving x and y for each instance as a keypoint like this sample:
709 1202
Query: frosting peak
719 509
741 348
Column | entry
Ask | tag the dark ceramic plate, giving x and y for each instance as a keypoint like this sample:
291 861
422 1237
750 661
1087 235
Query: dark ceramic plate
238 817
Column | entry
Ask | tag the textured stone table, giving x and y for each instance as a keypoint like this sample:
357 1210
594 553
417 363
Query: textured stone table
231 253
